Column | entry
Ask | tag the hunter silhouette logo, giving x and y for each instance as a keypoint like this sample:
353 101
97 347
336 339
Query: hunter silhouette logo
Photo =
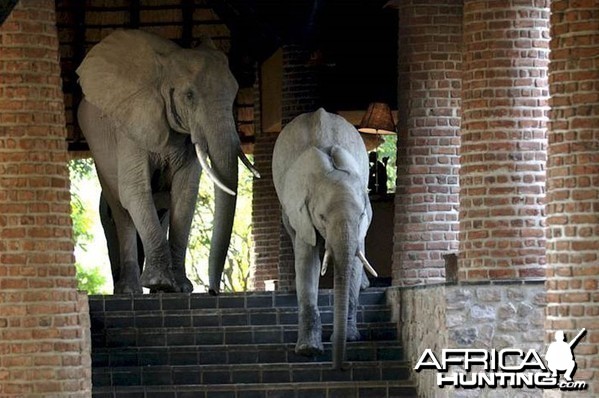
508 367
560 355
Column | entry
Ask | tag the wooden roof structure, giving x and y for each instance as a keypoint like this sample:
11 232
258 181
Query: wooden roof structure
249 31
82 24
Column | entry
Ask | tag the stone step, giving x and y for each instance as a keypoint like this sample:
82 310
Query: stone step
239 354
248 373
223 317
354 389
228 335
191 301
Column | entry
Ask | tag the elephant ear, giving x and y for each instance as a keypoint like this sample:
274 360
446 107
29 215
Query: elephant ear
365 219
296 193
343 160
121 75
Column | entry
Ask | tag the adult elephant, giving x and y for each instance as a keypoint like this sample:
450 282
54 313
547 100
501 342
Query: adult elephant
320 173
153 113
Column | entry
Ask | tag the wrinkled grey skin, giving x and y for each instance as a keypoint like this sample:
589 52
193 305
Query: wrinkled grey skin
320 172
147 103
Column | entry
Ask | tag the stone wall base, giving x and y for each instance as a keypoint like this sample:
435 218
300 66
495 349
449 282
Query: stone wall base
475 315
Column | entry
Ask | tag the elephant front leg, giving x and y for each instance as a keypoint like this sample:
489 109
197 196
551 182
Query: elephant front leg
157 274
136 196
183 200
307 267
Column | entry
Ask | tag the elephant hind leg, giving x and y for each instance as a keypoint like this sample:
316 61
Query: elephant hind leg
112 240
127 275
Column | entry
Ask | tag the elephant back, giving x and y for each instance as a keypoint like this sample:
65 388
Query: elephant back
322 130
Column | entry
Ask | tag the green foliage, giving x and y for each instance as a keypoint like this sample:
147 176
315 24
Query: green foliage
389 149
239 257
237 266
81 169
89 279
81 221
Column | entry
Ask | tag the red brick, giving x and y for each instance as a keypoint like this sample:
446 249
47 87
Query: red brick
572 201
33 169
424 115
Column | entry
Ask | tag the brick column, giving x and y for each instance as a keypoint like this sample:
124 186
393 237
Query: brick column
426 200
44 338
298 96
266 214
573 183
503 139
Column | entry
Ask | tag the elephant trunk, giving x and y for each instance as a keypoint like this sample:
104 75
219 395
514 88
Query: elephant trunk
344 254
341 297
223 149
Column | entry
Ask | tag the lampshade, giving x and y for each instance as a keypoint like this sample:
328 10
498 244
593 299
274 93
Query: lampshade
377 120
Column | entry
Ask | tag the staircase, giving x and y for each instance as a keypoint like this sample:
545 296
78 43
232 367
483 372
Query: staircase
237 346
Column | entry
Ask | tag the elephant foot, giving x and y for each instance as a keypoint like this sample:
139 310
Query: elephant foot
214 289
353 334
122 287
309 339
158 280
129 282
185 285
309 349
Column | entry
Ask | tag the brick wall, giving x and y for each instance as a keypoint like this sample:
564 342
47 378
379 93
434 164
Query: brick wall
426 200
266 214
44 345
503 139
299 96
273 248
573 182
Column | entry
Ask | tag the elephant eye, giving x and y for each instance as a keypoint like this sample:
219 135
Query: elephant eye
322 217
189 95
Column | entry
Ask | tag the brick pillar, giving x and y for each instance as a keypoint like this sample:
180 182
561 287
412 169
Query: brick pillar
503 139
44 341
297 93
573 183
426 200
266 214
298 96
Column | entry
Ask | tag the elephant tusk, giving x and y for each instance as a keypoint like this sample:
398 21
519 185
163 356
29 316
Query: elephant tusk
248 164
366 264
202 157
325 263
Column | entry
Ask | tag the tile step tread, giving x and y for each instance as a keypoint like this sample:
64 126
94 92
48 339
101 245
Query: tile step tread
241 328
229 300
207 318
261 366
228 310
348 389
248 373
359 351
364 344
225 335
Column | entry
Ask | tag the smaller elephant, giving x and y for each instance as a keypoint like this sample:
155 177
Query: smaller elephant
320 173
